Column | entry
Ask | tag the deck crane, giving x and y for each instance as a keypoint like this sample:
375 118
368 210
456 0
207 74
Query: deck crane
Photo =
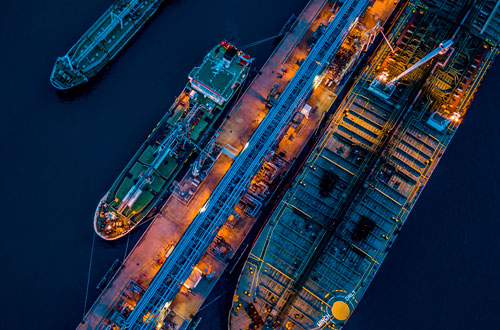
381 87
439 50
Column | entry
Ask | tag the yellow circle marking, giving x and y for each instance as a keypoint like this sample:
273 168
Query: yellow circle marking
340 310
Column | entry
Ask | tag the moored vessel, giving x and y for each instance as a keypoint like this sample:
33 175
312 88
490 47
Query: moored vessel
183 130
323 244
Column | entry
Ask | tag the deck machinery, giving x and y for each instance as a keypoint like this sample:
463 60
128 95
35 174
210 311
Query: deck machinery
323 244
185 127
105 38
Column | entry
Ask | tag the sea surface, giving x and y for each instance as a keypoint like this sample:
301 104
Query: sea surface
60 152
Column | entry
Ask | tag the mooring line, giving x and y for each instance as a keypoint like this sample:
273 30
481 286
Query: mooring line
88 276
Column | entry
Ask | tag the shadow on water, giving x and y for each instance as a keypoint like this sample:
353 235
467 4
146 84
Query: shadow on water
83 90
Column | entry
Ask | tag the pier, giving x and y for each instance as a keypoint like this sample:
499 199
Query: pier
164 233
325 240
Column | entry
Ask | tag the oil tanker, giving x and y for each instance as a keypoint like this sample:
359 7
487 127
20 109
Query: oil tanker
323 244
109 34
184 129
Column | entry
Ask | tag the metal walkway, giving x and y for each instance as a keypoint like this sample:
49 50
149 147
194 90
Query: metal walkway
200 234
131 8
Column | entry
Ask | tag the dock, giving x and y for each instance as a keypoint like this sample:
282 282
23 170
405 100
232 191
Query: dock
325 240
154 247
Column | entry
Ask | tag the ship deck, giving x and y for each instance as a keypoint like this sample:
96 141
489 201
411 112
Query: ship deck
185 127
145 259
323 244
102 41
108 34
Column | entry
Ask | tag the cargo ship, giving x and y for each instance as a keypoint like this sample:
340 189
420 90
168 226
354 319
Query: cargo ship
322 245
102 42
184 129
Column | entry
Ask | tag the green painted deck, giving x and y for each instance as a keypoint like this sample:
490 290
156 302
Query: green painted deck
214 73
193 113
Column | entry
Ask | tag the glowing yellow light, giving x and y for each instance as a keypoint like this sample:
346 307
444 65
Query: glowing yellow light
317 81
455 117
145 318
383 76
159 325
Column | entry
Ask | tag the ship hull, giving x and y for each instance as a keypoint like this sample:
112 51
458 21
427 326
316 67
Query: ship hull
101 43
324 242
183 130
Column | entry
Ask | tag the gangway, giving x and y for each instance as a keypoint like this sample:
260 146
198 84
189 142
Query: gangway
370 36
204 227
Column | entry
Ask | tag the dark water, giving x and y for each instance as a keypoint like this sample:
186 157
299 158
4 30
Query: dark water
60 154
